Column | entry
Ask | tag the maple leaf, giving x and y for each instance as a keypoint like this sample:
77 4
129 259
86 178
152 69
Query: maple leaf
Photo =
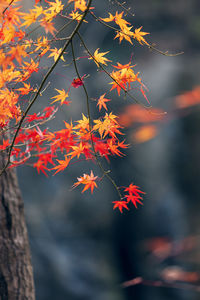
30 18
12 15
40 166
55 54
8 75
33 117
113 147
79 4
108 126
101 147
120 205
109 19
118 82
29 68
76 16
8 33
48 26
133 189
134 194
8 108
77 82
83 124
120 21
88 181
134 199
98 57
138 35
123 145
43 44
102 102
125 33
56 6
99 125
62 95
38 10
143 93
5 144
26 89
124 77
62 164
78 150
49 111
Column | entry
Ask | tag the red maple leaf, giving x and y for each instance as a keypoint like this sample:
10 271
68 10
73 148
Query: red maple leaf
134 199
120 205
77 82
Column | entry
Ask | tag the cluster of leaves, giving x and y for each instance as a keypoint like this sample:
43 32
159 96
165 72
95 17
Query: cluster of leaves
21 56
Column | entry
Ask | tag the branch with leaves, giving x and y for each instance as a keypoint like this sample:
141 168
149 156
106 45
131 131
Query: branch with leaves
27 40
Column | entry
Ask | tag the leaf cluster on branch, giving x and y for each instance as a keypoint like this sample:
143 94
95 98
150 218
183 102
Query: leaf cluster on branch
22 52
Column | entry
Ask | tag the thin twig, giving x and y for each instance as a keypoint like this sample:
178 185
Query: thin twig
7 7
127 10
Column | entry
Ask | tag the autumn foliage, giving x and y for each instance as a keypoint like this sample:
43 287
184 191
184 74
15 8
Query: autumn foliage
21 56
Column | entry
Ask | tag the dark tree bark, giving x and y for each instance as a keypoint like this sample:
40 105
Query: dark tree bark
16 275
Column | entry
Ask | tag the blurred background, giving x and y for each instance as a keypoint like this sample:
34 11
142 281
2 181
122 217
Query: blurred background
81 248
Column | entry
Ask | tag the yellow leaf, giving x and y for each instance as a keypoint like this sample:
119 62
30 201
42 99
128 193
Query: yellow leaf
138 35
110 19
55 53
98 57
60 97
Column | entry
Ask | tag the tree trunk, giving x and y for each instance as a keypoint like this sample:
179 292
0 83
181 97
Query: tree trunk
16 275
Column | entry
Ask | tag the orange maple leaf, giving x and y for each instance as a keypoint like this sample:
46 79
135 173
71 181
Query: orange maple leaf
26 89
113 147
109 19
102 102
48 26
17 53
88 181
78 150
62 164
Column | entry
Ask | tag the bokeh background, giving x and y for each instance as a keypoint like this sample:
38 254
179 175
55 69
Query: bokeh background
81 248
